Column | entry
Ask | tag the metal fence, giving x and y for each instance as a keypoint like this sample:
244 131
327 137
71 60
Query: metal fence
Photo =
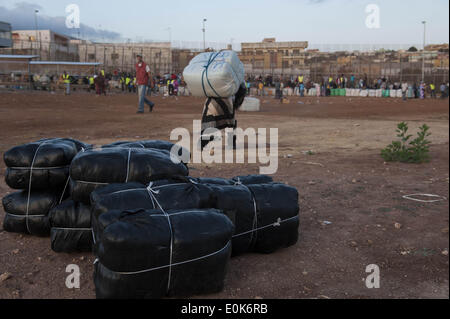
361 60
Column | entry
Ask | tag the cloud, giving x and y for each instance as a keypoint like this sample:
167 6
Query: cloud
21 17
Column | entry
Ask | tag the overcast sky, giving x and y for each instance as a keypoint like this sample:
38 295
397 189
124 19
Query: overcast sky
316 21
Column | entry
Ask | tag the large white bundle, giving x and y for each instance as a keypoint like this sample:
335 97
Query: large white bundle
364 93
250 105
379 93
399 93
372 93
393 93
214 74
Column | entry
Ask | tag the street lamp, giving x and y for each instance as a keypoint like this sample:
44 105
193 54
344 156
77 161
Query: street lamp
204 35
169 29
423 53
36 25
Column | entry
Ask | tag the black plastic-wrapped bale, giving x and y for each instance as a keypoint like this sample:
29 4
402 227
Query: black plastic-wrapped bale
135 196
245 180
29 216
155 144
71 227
97 168
238 204
253 179
149 254
265 216
46 162
277 223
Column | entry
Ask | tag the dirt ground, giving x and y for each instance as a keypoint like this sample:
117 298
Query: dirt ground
351 201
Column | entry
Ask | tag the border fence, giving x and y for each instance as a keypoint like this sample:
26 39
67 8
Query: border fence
395 62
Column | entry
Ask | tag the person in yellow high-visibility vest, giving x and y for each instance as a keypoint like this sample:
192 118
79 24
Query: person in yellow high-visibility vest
127 83
301 79
66 80
134 84
433 90
103 72
91 83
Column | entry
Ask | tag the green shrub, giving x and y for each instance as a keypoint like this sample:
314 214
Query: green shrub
406 151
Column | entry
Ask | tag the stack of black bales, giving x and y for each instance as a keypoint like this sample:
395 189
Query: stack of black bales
265 215
154 253
100 167
265 218
93 168
41 171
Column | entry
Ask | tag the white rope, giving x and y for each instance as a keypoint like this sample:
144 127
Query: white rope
409 197
128 165
29 185
152 193
170 265
40 168
255 214
74 229
92 183
64 190
25 216
275 224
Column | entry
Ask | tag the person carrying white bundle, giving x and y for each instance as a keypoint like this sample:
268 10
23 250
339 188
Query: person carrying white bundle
220 77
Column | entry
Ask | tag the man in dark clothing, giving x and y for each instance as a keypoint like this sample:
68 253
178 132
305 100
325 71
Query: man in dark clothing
219 113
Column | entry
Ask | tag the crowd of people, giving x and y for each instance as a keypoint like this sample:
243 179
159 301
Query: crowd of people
173 84
302 84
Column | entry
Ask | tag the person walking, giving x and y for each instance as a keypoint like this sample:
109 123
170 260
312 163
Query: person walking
142 77
422 90
443 91
404 90
66 80
100 84
433 90
220 113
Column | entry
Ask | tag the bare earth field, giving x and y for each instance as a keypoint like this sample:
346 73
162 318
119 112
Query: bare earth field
345 183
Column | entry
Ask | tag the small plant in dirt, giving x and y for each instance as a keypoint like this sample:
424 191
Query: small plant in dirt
406 150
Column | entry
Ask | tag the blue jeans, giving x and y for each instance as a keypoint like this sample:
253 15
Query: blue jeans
142 90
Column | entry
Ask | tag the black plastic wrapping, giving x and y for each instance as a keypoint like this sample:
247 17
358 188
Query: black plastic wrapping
36 222
97 168
155 144
49 158
278 217
143 255
137 196
71 227
266 216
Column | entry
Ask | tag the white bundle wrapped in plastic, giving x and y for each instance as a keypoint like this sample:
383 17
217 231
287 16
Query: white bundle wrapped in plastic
364 93
250 104
379 93
372 93
399 93
392 93
214 74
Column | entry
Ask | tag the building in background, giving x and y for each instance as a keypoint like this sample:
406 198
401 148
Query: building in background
47 44
181 58
5 35
121 57
272 57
